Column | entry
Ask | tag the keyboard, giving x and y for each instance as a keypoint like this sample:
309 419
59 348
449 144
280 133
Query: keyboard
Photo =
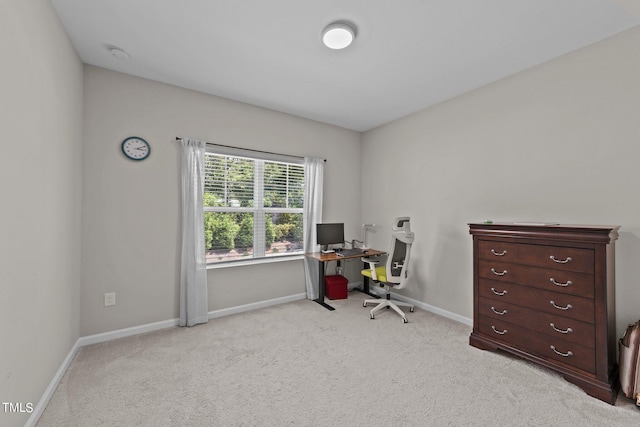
350 252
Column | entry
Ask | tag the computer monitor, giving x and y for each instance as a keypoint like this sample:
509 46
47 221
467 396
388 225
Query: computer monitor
330 234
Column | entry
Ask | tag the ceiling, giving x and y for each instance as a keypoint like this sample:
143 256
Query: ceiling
408 55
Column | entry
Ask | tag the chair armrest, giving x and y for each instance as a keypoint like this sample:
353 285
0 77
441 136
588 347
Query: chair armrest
372 266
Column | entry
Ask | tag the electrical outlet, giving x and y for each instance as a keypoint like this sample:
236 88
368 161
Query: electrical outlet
109 299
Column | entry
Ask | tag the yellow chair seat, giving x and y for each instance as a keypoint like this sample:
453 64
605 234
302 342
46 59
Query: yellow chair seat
381 272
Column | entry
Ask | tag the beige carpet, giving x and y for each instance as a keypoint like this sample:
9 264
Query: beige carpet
298 364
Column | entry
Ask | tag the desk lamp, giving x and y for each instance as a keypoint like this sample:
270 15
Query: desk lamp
364 235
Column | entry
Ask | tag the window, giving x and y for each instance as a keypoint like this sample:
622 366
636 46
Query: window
252 208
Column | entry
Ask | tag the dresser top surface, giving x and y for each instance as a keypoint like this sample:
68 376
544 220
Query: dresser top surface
608 233
532 224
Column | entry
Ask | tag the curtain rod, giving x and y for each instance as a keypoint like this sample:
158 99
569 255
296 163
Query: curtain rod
178 138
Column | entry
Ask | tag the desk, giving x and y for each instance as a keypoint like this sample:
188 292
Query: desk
322 258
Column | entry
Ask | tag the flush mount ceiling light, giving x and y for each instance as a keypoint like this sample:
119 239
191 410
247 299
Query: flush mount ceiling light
338 35
118 53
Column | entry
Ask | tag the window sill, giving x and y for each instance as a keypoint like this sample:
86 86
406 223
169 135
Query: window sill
268 260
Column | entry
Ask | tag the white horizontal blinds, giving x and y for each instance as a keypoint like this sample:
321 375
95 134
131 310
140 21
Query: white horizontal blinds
283 204
228 206
253 207
283 185
229 181
259 225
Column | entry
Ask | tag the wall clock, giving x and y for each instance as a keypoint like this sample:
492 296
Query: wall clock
136 148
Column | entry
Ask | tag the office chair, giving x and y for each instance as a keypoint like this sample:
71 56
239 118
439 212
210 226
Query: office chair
395 272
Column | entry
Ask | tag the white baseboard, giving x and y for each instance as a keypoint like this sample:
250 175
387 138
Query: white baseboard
435 310
255 305
127 332
136 330
430 308
48 393
150 327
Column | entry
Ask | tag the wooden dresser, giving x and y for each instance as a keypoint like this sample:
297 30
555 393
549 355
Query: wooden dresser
546 293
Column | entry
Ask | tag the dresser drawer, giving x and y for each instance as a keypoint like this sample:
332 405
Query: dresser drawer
566 305
559 258
571 330
554 349
569 282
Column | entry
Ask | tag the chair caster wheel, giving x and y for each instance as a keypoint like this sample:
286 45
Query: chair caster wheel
411 309
404 320
364 304
371 316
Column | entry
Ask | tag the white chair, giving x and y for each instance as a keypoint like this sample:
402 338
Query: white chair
395 272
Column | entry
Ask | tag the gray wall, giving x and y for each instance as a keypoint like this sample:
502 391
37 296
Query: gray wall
131 210
559 142
40 181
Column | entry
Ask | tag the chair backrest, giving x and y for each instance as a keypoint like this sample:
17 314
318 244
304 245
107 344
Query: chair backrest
399 252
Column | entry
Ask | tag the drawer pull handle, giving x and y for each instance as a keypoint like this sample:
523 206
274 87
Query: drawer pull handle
569 282
560 261
567 354
497 331
503 253
501 313
568 306
493 270
565 331
499 293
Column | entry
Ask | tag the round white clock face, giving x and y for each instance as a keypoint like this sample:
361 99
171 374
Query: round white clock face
136 148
